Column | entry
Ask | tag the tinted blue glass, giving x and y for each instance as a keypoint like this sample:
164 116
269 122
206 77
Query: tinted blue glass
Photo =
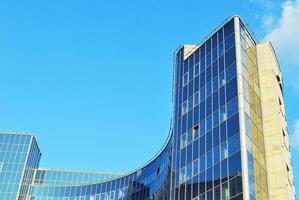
234 163
232 107
209 178
190 88
189 153
195 150
231 89
231 72
196 115
221 64
202 79
214 41
216 136
215 101
215 69
209 106
223 135
196 56
183 157
202 144
196 84
229 42
185 93
190 120
220 36
209 141
228 29
234 144
216 175
184 123
224 170
233 125
202 110
208 46
185 66
235 187
222 96
208 73
230 57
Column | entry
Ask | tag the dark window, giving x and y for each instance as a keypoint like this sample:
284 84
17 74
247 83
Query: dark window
208 46
184 123
195 187
231 72
229 28
234 163
202 145
216 175
215 101
196 84
190 120
209 178
234 144
216 136
185 66
232 107
235 186
209 74
190 88
223 132
202 110
185 93
183 157
233 125
209 105
221 64
195 150
196 115
209 59
230 57
222 96
220 35
215 69
209 141
231 89
196 56
214 41
189 153
202 79
224 174
229 42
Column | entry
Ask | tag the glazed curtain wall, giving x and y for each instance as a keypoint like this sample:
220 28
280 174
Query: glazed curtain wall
149 182
207 159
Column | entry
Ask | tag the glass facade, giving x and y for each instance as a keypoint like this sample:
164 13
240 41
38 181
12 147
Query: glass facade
215 149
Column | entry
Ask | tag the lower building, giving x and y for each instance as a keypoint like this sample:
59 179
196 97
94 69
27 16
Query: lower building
229 137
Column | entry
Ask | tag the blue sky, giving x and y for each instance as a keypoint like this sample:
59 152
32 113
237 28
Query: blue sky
93 79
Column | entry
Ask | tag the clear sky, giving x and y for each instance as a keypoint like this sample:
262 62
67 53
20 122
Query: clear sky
93 79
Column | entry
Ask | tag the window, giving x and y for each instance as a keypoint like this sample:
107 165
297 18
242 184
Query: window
235 186
183 175
233 125
195 167
234 144
183 141
230 57
229 42
231 89
231 72
234 162
232 107
224 151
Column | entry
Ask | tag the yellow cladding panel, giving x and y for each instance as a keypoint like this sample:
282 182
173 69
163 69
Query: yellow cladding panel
278 159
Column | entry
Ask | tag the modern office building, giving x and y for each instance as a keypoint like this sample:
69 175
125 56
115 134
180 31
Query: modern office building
229 137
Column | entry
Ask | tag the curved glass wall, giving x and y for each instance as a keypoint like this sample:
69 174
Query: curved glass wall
215 149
